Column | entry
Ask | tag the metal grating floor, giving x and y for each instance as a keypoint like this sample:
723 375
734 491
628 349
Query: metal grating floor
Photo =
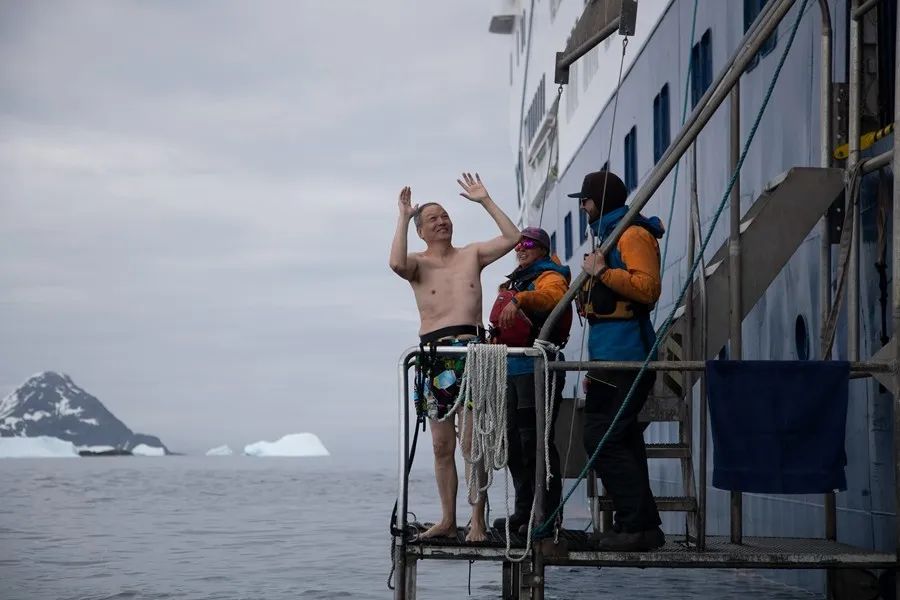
574 548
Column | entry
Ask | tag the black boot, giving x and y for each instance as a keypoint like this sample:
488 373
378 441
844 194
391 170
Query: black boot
517 520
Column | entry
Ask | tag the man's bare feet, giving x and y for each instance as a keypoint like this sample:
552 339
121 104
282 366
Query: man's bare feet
477 532
439 530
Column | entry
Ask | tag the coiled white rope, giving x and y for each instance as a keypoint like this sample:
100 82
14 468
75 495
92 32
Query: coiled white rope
483 390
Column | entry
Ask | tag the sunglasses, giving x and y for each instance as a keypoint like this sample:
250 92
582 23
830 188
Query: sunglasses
527 244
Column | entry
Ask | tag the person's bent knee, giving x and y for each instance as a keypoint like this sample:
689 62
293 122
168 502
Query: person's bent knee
443 448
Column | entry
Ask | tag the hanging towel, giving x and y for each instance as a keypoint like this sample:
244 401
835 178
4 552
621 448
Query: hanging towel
778 426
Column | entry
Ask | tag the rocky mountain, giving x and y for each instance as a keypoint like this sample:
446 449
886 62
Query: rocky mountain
51 404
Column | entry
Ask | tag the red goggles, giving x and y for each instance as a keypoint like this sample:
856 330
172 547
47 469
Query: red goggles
527 244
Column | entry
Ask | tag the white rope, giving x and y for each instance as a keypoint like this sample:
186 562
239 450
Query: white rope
483 391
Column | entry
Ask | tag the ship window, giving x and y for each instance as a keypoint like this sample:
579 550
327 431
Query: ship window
752 8
536 110
553 243
631 159
701 67
661 124
801 338
582 227
568 235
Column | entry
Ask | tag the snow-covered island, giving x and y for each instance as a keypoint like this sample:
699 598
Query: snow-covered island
294 444
50 406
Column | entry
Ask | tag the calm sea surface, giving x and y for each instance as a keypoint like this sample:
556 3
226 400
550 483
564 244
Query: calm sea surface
238 527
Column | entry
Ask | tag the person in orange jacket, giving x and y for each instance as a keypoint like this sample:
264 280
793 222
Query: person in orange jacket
540 282
616 301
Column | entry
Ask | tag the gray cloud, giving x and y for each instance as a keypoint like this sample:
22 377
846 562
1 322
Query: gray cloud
197 201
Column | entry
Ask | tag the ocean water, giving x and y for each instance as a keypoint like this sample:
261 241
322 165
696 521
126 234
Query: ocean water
269 528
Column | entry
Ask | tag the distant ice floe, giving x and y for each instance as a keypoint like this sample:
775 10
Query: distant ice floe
294 444
219 451
145 450
36 447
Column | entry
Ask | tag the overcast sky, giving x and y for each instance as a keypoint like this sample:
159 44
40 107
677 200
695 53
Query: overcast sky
197 201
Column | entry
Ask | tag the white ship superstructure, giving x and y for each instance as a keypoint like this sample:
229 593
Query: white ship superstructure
557 139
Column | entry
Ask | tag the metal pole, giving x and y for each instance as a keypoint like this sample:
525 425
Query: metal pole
540 478
896 288
825 62
400 591
852 159
876 162
690 346
853 83
706 107
540 473
564 61
704 322
863 367
825 158
734 281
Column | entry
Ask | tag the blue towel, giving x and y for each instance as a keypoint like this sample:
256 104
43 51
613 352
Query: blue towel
778 426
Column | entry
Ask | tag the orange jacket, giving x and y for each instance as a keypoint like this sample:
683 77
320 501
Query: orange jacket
639 280
549 289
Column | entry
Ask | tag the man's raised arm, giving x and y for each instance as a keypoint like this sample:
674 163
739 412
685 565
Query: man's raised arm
401 263
490 250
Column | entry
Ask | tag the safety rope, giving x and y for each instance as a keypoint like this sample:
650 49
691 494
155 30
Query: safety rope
690 275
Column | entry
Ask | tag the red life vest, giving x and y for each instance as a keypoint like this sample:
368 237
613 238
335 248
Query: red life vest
520 334
523 330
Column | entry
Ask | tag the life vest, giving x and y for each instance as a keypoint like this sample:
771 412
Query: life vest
520 334
524 330
595 301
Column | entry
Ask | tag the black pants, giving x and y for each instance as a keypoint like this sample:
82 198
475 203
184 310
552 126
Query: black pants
622 462
522 434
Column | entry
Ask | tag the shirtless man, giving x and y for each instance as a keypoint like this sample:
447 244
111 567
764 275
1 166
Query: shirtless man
447 284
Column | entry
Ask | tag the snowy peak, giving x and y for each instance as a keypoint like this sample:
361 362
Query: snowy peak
50 404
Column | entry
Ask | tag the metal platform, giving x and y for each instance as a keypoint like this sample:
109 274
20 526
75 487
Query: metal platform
574 548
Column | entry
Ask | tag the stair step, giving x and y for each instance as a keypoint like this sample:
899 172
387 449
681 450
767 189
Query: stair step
663 503
675 450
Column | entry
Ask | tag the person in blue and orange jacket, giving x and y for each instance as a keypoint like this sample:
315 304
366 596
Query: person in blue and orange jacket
616 301
525 301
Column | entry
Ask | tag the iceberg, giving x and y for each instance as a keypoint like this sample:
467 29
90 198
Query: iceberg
145 450
294 444
36 447
219 451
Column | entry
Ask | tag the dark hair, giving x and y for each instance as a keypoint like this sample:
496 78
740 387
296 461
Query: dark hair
417 216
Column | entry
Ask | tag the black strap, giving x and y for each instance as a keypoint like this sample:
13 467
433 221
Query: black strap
452 331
